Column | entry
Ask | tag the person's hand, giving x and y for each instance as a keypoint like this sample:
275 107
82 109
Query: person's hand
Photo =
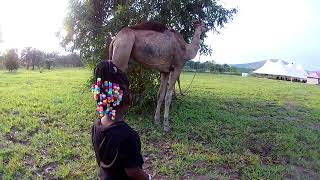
137 174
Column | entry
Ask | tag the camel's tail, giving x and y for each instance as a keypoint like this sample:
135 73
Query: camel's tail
111 49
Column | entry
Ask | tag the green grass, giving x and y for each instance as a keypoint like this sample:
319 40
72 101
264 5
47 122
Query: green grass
226 127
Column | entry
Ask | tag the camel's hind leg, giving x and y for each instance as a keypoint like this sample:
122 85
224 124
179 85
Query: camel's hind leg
122 47
174 75
161 94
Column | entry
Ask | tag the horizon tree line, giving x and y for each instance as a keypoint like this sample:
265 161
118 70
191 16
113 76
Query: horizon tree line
32 58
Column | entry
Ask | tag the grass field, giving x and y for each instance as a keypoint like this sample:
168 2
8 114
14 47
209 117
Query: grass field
227 127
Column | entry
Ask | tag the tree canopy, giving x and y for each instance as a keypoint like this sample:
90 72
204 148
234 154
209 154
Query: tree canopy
11 60
91 24
32 57
35 57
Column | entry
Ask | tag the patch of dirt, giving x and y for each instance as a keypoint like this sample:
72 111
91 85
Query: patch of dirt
165 155
47 170
281 160
57 101
291 106
15 113
288 112
45 119
263 150
12 136
299 172
203 177
6 159
34 131
43 154
264 117
259 145
29 161
227 171
199 164
314 126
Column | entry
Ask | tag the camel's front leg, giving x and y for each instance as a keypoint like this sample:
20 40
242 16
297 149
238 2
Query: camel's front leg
161 94
174 75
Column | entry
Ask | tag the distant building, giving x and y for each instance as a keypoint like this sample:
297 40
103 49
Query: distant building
313 78
244 74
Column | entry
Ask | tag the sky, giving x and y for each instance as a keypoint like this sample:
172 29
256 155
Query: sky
262 29
265 29
31 23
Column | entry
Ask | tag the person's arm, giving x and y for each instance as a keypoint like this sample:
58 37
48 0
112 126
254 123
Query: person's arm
136 173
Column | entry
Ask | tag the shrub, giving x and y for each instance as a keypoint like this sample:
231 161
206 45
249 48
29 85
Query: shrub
144 86
11 60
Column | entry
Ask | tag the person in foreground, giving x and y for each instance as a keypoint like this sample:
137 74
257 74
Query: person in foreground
117 146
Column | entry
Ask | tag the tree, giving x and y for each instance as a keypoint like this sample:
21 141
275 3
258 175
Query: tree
32 57
50 59
37 58
11 60
26 56
1 62
70 60
91 24
49 63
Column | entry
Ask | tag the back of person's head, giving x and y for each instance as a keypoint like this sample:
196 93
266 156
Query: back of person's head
111 90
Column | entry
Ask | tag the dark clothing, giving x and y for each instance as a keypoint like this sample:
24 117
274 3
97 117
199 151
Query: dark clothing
116 147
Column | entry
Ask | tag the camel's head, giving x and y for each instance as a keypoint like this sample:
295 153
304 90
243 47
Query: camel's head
200 24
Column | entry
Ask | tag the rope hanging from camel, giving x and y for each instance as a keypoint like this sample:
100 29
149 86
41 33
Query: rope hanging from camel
190 85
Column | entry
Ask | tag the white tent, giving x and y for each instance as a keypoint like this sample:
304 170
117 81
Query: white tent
280 68
296 71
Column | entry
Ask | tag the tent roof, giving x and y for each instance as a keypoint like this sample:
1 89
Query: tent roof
281 69
314 75
296 71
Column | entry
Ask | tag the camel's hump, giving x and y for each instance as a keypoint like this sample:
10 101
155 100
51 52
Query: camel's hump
149 25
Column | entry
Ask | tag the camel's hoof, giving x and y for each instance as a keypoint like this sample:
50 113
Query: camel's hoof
166 127
157 121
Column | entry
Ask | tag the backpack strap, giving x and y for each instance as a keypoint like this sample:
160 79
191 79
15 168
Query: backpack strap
102 164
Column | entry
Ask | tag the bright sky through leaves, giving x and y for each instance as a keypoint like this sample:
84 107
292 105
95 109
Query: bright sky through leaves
284 29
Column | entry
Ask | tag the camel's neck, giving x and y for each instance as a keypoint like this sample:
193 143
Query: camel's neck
193 47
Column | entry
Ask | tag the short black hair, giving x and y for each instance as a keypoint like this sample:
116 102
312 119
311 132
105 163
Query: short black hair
107 71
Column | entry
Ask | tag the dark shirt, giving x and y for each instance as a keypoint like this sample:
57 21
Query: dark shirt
116 147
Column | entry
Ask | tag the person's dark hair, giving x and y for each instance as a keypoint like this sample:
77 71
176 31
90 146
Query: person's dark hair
107 71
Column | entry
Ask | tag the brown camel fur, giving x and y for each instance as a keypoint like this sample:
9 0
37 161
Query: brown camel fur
156 47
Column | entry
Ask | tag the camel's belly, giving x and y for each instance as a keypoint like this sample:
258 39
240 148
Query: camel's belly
154 50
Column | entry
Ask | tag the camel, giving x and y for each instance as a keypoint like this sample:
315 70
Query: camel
156 47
